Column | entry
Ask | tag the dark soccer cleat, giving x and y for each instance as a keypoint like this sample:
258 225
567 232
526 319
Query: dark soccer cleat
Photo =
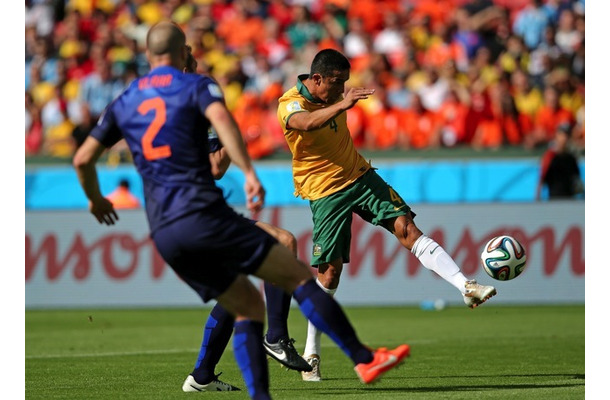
284 352
191 385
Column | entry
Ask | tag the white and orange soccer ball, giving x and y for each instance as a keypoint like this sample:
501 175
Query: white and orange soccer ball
503 258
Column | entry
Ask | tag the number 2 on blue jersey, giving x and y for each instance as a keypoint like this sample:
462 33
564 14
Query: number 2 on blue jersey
157 105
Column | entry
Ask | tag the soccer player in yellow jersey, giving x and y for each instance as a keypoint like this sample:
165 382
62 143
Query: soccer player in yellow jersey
330 173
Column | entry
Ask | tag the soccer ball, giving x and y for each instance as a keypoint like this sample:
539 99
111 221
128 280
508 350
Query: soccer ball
503 258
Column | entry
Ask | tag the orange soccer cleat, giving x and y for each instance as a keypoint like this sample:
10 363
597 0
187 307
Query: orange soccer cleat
383 361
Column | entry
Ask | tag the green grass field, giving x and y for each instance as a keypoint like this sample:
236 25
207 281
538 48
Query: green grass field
493 352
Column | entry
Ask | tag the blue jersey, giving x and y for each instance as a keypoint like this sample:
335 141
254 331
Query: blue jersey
161 116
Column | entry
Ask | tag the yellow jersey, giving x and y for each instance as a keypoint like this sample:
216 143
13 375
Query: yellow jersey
324 160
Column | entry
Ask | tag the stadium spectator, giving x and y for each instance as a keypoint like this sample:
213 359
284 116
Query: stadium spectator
40 16
531 23
303 29
569 89
482 38
334 24
372 13
43 58
273 45
389 41
58 140
514 56
479 109
240 28
452 116
33 126
384 124
398 94
421 128
42 91
269 100
440 50
528 98
250 115
559 171
434 90
547 119
486 18
567 37
501 125
543 58
122 198
100 88
466 37
280 11
578 134
356 42
262 74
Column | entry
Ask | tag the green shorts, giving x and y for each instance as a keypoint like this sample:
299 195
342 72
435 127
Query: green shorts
370 197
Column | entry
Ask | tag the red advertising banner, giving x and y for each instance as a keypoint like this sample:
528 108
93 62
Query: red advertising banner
72 261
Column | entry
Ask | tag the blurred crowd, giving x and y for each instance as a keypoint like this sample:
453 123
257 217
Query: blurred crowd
482 74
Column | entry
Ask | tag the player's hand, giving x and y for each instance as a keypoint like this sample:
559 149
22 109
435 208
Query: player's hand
103 210
355 94
255 193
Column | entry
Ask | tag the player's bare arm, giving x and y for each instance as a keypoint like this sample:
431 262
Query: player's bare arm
228 133
308 121
84 163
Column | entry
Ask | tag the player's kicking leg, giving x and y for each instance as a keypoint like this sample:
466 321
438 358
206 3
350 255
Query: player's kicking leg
435 258
326 314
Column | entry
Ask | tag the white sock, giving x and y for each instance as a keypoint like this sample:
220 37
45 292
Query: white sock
312 344
435 258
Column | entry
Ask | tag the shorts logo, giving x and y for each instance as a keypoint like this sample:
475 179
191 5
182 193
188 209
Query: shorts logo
317 250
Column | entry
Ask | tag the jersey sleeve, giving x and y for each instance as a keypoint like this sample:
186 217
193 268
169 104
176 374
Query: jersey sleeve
208 92
107 131
289 106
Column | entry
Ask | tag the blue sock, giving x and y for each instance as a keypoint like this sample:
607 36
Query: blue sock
251 358
216 334
325 313
278 307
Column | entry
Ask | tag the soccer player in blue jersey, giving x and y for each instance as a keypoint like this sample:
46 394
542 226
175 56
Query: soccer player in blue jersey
163 117
219 325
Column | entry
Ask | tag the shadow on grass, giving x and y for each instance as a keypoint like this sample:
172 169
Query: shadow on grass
338 390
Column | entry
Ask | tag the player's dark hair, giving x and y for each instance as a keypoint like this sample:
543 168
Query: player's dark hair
327 62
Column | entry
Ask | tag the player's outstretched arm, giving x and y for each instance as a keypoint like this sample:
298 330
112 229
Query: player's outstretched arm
307 121
84 163
232 140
